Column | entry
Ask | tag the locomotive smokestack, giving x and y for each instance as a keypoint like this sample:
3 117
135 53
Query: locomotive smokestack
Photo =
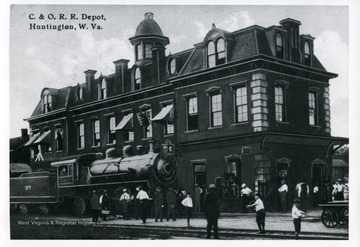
151 146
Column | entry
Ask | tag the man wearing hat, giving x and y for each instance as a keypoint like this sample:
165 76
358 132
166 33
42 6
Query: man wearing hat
171 204
94 206
125 202
283 190
245 195
212 211
297 214
158 204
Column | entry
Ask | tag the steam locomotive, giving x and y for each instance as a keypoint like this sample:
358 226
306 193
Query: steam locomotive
75 178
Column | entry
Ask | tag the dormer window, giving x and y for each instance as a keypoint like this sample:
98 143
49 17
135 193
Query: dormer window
138 50
102 89
279 46
307 60
172 66
137 79
79 93
216 53
47 101
148 52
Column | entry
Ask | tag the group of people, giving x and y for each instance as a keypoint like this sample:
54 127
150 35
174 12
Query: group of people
211 204
341 190
99 204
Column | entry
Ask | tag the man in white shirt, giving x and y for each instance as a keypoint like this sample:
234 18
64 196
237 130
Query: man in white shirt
143 197
188 203
260 213
338 191
297 214
245 195
125 202
283 190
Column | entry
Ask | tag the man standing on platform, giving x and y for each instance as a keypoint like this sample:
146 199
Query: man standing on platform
283 190
171 204
94 206
143 198
245 195
197 198
158 204
212 211
125 202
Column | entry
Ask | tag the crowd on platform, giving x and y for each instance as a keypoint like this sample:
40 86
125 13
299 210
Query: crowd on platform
209 204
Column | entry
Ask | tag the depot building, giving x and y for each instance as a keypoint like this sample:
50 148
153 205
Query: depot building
250 106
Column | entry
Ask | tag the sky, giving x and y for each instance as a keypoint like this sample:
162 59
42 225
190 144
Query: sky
56 59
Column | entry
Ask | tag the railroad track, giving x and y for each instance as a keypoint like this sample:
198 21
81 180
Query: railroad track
229 234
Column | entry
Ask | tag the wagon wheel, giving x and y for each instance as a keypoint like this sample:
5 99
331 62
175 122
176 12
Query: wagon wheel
330 218
344 216
79 206
44 209
23 209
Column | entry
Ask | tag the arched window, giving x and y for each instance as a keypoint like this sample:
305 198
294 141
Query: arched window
137 79
172 66
47 101
307 60
102 89
138 51
220 48
279 46
211 55
216 53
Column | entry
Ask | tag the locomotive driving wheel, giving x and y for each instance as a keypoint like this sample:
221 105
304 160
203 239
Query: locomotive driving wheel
23 209
330 218
44 209
344 216
79 206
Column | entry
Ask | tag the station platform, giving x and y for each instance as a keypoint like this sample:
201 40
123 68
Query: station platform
274 222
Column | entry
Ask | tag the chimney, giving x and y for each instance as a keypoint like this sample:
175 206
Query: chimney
24 133
90 83
293 39
158 63
121 67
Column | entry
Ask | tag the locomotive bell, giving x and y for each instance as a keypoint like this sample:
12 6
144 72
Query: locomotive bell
128 151
111 153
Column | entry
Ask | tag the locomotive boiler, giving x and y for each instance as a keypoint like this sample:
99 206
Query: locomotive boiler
76 177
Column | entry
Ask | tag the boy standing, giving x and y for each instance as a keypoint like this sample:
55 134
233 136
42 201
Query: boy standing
188 203
297 214
260 213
